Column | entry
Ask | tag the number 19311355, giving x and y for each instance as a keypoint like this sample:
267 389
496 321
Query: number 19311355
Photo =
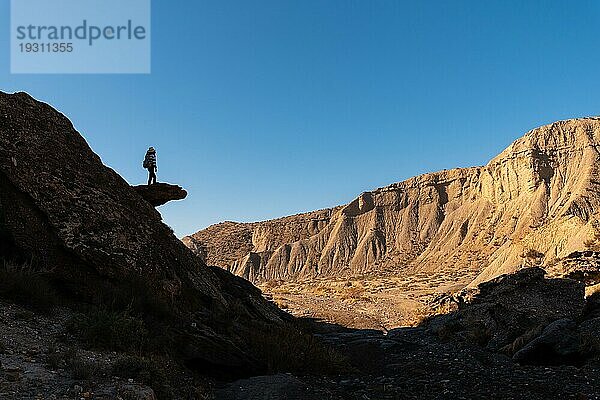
46 47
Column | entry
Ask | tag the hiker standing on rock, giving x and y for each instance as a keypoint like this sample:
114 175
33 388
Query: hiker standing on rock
150 165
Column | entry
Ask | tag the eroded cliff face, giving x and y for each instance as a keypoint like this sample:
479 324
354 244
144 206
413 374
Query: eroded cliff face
533 203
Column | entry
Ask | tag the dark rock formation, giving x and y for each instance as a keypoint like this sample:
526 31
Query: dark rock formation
67 214
558 344
511 306
160 193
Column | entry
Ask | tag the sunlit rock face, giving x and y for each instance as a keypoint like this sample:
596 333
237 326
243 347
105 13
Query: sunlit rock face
532 204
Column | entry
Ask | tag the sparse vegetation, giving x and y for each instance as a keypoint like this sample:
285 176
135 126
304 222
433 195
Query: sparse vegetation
149 371
23 285
134 294
532 254
354 293
522 340
112 330
83 369
282 303
590 345
273 283
288 349
71 360
478 333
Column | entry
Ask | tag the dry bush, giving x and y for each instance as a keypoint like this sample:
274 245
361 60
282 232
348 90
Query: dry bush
80 367
282 303
450 329
478 333
354 293
419 316
22 284
111 330
532 254
273 283
288 349
149 371
522 340
589 345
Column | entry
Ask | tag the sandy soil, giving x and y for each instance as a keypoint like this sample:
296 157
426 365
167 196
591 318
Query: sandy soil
366 302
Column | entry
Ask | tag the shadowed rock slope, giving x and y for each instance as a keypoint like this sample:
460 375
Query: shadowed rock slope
65 213
534 203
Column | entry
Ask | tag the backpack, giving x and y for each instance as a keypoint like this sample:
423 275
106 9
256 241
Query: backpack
149 160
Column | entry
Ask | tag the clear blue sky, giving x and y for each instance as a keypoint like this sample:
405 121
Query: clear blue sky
267 108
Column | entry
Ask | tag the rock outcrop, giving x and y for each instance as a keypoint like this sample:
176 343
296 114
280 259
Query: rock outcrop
252 250
65 213
510 306
533 204
160 193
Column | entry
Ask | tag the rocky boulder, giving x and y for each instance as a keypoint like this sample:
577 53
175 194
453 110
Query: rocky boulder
511 306
160 193
558 344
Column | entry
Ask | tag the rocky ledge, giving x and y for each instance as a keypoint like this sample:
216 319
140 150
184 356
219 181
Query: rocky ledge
160 193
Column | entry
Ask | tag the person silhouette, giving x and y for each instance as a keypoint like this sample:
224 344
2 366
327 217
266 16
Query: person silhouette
150 165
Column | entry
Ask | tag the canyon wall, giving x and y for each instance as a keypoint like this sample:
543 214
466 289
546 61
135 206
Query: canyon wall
532 204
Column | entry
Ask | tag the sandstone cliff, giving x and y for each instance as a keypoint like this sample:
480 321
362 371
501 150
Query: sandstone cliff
532 204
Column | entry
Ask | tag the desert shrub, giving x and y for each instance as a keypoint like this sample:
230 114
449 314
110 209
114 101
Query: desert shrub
449 329
532 254
83 369
134 294
589 345
54 360
522 340
420 317
272 283
353 293
112 330
288 349
149 371
282 303
478 333
79 367
23 285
